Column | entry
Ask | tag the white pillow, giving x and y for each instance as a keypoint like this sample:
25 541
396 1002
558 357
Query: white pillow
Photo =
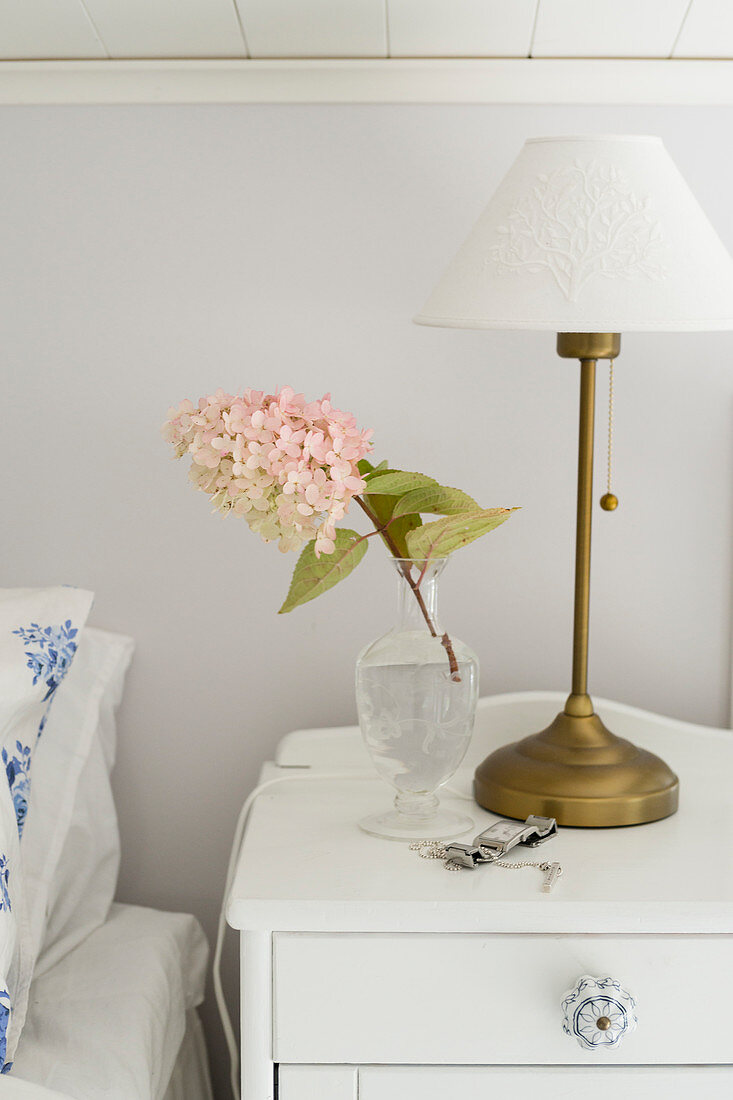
13 987
38 641
73 841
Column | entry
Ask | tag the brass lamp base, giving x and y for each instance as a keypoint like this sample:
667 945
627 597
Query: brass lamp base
578 772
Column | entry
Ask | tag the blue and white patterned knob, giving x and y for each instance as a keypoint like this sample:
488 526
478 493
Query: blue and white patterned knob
598 1012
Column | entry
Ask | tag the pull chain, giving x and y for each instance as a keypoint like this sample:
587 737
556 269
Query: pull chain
609 501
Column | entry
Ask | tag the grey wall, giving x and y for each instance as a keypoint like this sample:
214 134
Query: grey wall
154 253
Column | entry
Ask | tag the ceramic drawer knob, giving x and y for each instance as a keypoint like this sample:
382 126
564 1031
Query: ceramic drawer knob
598 1012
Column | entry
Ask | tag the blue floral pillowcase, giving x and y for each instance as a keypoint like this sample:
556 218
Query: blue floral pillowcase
39 629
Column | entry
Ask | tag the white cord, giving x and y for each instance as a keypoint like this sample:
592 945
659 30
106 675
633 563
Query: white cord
226 1022
297 774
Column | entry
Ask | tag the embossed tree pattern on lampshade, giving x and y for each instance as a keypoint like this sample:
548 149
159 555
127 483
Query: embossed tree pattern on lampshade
579 222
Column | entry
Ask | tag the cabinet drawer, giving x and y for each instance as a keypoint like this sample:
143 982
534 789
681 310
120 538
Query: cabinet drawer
549 1083
480 1082
493 1000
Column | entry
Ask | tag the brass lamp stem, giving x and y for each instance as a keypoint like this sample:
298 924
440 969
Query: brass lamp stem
588 347
579 702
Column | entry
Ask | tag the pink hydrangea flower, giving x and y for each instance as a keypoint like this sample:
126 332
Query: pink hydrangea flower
290 467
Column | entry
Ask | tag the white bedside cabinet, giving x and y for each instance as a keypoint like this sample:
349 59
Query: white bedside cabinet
368 972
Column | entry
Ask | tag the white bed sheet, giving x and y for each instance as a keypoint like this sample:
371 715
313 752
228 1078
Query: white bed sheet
107 1022
12 1088
190 1079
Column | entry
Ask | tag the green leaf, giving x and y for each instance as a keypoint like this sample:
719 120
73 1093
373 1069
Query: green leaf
397 482
438 539
313 576
366 469
435 498
395 536
381 507
382 468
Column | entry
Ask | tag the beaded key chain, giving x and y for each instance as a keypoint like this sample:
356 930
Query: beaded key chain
609 500
434 849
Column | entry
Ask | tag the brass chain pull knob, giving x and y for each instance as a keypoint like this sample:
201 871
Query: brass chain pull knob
609 500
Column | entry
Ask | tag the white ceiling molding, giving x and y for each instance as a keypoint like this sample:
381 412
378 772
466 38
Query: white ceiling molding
688 82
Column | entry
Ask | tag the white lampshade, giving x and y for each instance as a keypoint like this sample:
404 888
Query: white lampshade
589 234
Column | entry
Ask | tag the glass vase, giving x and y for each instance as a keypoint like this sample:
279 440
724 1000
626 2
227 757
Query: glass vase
416 694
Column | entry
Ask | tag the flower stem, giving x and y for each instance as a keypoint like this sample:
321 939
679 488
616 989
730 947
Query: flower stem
383 530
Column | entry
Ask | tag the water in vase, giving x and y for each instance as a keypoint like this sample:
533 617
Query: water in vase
416 720
416 697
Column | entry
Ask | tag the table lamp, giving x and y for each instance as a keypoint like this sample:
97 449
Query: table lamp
586 237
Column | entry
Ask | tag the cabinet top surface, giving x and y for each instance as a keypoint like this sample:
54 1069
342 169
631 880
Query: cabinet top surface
306 866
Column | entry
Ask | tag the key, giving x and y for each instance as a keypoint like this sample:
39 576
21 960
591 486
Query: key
552 874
